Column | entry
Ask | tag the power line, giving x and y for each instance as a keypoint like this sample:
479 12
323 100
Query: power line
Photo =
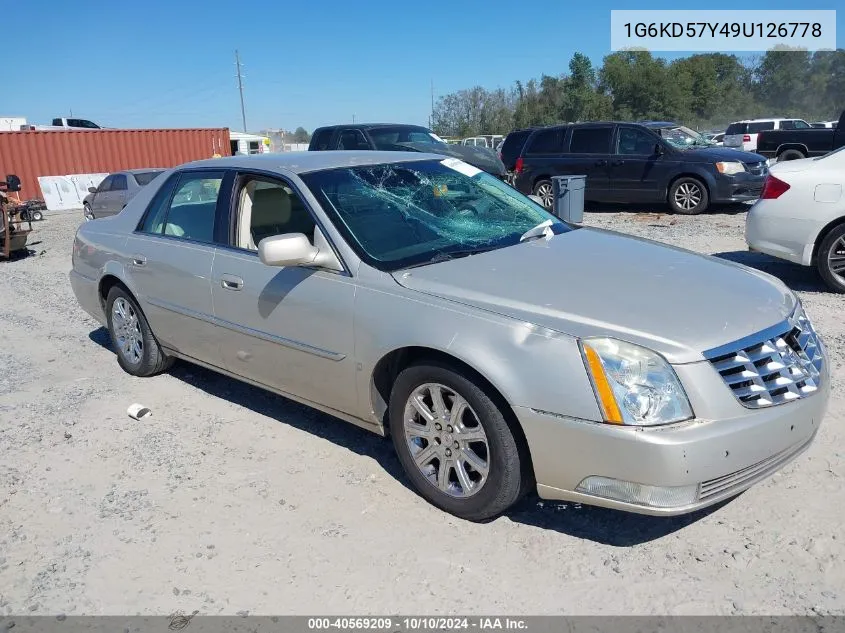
240 88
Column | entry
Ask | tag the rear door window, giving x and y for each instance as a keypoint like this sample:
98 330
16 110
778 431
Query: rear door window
188 210
352 139
118 182
591 140
547 141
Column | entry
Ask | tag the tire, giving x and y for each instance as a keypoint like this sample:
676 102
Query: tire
791 154
543 190
24 215
830 257
688 196
486 495
86 211
144 359
37 216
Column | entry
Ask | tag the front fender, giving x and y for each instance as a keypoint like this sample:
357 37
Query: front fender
530 366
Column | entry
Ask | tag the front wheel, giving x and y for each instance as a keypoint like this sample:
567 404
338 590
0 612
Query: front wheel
454 443
688 196
86 211
543 190
831 259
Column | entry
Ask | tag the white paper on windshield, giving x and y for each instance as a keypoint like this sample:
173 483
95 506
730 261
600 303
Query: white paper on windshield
436 138
460 166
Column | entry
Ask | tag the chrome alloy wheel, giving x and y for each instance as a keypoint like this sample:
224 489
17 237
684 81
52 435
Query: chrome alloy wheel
836 260
446 440
127 331
546 194
688 195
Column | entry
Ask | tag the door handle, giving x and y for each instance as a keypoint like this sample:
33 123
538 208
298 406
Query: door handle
601 163
230 282
139 260
617 162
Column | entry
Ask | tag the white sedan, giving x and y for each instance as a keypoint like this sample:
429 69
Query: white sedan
800 216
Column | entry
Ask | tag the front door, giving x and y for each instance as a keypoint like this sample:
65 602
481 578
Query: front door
290 328
169 261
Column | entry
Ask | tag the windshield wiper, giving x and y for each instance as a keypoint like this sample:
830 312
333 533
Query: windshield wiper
544 229
443 256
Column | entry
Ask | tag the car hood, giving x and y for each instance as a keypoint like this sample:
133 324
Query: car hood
715 154
481 157
591 282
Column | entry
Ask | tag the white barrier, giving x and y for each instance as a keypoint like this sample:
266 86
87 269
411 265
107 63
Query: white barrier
64 193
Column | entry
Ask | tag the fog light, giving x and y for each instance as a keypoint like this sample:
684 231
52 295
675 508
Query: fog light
639 494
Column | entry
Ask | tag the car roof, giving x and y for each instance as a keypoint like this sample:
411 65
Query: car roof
140 171
304 162
659 123
368 126
767 120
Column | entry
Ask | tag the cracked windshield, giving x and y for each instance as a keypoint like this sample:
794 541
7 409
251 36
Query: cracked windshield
413 213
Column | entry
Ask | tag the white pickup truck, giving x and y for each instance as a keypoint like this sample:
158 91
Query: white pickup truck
65 124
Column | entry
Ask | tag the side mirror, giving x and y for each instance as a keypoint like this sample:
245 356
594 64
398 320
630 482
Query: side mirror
92 190
294 249
13 183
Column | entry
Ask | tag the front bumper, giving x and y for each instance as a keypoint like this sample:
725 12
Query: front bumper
737 188
719 457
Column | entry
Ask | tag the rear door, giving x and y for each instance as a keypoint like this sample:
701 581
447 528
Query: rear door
637 169
169 262
116 198
100 199
589 154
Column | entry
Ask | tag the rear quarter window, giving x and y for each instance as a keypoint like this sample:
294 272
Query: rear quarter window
548 141
736 128
512 147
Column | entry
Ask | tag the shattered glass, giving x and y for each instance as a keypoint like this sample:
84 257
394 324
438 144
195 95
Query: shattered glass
408 213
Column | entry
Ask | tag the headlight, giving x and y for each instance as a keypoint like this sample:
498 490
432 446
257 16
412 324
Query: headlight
634 385
732 167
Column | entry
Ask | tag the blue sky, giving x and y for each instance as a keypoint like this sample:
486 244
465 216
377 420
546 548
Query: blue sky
156 63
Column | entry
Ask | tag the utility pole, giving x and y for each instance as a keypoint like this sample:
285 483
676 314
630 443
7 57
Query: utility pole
431 116
240 88
353 118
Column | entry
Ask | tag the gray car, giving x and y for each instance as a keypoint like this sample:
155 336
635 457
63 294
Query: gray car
115 192
501 349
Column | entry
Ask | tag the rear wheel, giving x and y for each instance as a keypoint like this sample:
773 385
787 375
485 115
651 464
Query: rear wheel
543 190
688 196
791 154
831 259
37 216
138 351
454 443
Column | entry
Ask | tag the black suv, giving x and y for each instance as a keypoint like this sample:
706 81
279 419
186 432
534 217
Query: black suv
628 162
399 137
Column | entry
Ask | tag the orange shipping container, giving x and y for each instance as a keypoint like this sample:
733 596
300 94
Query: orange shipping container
32 154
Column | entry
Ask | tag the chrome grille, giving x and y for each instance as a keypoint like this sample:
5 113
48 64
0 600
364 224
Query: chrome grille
783 365
758 169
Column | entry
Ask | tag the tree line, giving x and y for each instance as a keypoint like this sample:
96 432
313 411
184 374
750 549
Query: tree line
704 91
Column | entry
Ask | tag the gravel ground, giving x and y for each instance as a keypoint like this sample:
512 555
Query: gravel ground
229 500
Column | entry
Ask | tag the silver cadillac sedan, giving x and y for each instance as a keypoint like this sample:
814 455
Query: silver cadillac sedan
500 348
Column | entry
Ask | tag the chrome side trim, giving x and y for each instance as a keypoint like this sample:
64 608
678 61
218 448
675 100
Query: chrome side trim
279 340
235 327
